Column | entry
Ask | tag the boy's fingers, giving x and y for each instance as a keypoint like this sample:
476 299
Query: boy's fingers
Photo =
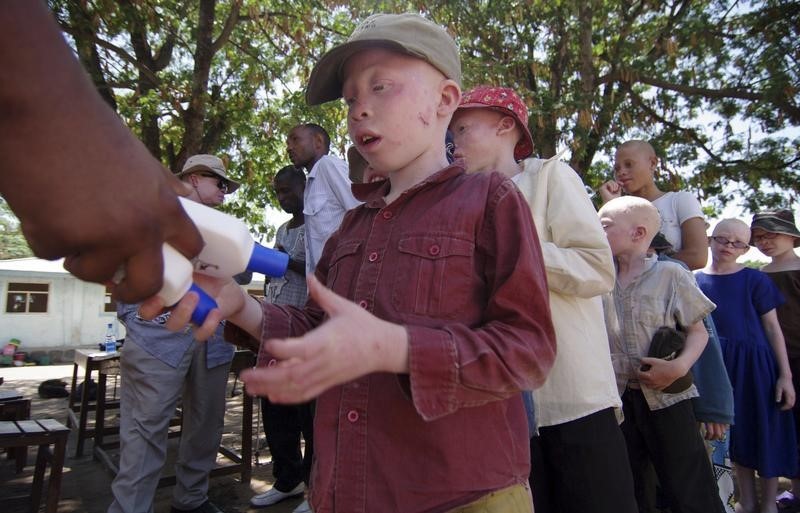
284 349
325 298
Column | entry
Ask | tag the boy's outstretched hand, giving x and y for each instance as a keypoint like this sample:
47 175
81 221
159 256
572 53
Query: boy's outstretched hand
349 344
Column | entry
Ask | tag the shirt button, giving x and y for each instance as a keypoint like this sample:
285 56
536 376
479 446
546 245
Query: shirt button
373 256
387 214
434 250
272 363
352 416
362 304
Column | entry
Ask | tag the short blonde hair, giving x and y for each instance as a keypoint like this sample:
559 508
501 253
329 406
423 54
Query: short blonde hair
734 225
637 209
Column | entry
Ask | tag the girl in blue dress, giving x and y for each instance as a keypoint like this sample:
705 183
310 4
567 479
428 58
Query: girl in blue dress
763 436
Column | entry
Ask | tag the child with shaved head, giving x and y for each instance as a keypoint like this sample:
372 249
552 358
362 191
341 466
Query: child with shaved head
682 220
762 437
659 426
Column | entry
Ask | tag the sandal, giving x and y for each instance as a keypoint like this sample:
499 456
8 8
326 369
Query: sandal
787 502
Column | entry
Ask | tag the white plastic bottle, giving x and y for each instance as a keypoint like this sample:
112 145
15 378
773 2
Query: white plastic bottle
178 281
229 248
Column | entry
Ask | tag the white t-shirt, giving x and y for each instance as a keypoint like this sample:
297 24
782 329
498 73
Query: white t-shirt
675 208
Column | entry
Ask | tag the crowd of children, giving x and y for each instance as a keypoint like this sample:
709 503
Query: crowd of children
456 289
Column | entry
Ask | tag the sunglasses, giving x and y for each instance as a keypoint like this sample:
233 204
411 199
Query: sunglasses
764 236
722 241
221 184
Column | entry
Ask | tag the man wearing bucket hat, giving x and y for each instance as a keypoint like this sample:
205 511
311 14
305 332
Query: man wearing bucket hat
162 367
207 175
775 234
575 406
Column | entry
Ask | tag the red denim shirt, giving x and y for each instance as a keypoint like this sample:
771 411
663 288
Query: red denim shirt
455 260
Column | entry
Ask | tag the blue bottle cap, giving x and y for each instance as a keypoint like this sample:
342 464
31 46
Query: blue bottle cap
267 261
204 306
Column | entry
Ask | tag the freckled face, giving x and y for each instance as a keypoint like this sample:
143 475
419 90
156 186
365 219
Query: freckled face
392 106
474 135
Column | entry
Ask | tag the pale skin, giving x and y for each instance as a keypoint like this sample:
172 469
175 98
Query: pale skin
629 241
399 108
780 248
635 163
485 139
723 261
82 185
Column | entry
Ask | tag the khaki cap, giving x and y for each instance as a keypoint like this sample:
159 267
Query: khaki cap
209 163
406 33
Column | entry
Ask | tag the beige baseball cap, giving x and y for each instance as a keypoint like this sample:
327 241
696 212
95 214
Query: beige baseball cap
406 33
210 163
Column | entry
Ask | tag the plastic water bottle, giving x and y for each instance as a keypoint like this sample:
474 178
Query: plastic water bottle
111 340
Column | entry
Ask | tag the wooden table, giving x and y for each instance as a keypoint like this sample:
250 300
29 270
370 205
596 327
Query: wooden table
104 364
41 433
240 463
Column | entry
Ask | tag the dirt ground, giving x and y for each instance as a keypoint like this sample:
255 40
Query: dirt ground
86 485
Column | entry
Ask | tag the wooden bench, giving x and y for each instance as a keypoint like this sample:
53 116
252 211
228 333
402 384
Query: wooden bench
42 433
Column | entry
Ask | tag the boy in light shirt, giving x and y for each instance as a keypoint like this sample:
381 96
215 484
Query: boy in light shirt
578 461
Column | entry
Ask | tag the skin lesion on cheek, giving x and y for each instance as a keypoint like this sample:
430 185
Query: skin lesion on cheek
423 118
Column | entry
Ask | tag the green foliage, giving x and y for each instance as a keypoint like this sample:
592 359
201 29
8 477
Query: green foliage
12 242
754 264
713 84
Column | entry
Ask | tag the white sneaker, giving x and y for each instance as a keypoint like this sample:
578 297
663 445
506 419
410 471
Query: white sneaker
303 507
274 496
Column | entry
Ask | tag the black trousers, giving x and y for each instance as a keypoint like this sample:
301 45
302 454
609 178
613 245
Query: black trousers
283 425
582 466
669 439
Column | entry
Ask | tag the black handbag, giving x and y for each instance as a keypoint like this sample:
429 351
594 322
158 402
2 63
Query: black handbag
667 344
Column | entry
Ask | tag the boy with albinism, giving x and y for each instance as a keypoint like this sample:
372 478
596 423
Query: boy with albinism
428 314
659 427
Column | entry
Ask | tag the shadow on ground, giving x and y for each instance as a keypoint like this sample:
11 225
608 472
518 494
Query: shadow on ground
86 485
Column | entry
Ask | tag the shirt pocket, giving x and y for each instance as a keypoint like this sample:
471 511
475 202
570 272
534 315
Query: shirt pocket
434 276
314 204
344 262
652 313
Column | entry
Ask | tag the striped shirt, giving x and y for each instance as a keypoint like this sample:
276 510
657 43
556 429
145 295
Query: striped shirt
327 197
663 295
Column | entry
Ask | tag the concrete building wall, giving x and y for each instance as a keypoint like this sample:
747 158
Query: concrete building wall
75 314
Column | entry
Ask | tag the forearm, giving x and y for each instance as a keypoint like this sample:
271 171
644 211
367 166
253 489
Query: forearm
693 258
578 271
250 317
696 340
775 336
694 244
45 95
